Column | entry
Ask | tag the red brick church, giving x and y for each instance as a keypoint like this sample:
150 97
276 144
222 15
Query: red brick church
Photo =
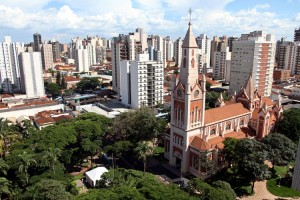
197 133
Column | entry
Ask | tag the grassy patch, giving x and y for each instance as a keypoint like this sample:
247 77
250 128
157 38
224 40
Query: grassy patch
284 190
79 176
158 150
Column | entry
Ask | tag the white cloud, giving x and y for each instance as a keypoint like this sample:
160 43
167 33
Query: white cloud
165 17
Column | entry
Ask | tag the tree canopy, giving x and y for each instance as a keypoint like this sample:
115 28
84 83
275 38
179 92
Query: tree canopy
290 124
88 84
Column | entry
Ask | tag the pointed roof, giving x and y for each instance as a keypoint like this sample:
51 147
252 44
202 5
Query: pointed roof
189 39
248 88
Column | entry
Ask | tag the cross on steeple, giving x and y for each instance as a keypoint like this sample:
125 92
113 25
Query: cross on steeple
190 12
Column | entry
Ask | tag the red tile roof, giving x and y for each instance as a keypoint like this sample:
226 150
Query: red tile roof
71 78
61 117
200 144
255 113
44 120
225 112
34 103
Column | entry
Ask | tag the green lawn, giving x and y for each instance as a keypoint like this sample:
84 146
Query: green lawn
158 150
282 190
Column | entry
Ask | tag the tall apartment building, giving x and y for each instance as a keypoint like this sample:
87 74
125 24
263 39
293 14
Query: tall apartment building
297 35
216 44
168 49
230 40
125 47
37 42
295 63
55 50
178 51
203 43
141 82
47 56
9 65
284 52
32 74
221 61
253 54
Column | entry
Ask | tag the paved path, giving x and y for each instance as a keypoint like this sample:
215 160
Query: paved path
261 192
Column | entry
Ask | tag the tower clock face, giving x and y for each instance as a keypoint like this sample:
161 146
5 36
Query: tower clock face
196 94
179 93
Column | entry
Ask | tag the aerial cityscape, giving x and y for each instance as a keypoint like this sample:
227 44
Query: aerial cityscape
138 100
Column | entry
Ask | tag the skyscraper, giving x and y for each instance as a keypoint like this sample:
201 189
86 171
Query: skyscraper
204 43
253 54
32 74
37 41
284 52
9 65
297 35
47 56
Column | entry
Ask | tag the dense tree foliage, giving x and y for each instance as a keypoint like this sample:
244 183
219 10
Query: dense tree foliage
280 149
53 89
88 84
290 124
131 184
219 190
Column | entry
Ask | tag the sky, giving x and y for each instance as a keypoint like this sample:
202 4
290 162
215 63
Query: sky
65 19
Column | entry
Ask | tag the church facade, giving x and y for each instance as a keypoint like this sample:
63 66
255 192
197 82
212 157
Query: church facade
196 135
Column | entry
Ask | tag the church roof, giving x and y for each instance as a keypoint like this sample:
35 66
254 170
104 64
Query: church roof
200 144
189 39
248 88
224 112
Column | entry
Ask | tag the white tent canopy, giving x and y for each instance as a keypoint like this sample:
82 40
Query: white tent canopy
94 175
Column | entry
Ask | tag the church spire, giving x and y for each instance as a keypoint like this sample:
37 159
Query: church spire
189 39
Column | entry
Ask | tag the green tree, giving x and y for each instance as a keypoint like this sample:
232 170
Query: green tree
117 149
88 84
251 158
281 150
143 149
26 160
136 126
3 167
51 157
229 150
58 78
290 124
8 135
4 186
53 89
225 188
48 189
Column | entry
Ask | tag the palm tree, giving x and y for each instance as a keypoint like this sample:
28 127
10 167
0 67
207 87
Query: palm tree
26 161
51 157
143 149
8 135
4 186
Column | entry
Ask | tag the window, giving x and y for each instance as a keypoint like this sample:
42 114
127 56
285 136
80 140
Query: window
213 131
241 122
227 126
195 163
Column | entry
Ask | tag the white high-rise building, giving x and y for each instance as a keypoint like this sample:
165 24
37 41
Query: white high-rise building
178 51
32 74
220 63
204 43
9 65
82 59
295 59
253 54
141 82
125 47
168 51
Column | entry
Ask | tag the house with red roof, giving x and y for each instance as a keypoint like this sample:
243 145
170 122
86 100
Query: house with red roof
196 135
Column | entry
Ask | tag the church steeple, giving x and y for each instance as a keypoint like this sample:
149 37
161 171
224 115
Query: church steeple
189 64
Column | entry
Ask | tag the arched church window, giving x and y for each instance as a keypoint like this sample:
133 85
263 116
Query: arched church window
193 62
193 52
241 122
185 52
227 126
213 131
184 62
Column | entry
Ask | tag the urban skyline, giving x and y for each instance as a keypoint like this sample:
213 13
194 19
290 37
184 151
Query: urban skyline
63 19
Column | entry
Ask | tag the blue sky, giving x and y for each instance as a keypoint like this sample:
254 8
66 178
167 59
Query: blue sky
64 19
